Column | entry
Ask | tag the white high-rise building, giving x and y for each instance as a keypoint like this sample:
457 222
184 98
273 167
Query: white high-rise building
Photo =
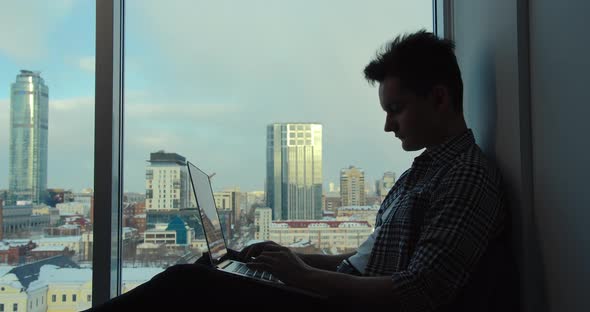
167 186
29 108
262 221
294 170
352 186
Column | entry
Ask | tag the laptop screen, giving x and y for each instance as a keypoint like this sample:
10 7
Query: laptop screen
203 193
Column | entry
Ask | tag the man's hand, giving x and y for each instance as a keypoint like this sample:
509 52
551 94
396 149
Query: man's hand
254 250
281 262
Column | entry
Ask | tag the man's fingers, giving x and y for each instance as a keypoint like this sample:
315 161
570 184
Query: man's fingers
244 253
266 257
251 251
254 250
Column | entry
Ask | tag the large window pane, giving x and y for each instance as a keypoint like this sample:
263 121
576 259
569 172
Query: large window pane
46 154
269 99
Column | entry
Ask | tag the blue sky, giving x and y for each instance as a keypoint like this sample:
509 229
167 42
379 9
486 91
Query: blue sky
204 78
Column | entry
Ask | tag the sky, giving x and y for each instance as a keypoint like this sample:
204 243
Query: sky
204 78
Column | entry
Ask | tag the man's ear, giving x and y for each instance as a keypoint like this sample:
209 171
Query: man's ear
442 98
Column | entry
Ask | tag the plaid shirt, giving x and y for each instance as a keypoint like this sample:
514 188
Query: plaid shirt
450 205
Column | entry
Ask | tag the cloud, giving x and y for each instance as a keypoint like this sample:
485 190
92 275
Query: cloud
27 25
72 105
179 111
219 72
204 82
87 64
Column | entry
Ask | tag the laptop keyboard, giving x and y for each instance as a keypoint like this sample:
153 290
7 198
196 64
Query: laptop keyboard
241 268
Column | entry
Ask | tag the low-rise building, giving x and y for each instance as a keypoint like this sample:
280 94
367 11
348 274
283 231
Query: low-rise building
358 213
338 235
73 243
57 284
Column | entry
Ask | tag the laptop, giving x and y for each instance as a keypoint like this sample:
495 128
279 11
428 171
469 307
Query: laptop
203 192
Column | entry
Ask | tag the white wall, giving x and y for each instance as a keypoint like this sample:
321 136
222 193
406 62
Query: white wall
495 77
560 67
525 64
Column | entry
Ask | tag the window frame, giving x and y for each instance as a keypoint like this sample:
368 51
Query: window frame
108 141
108 151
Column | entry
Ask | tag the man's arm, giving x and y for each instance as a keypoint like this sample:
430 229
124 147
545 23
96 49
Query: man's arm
364 289
319 261
293 271
324 262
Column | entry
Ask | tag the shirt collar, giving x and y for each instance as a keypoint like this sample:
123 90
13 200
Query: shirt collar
450 149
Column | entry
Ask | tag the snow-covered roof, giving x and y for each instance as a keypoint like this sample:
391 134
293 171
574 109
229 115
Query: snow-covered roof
5 269
59 239
139 275
362 208
50 248
17 242
147 246
69 226
52 273
11 280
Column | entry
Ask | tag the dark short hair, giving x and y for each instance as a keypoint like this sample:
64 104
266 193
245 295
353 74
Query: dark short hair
420 60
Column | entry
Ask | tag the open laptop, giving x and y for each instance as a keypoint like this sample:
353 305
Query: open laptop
203 192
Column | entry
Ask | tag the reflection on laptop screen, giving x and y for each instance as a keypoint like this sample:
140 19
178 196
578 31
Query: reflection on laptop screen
209 218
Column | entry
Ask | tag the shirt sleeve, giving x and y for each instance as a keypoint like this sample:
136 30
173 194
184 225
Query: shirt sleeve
466 211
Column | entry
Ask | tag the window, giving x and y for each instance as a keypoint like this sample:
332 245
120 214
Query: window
89 298
63 298
1 307
53 298
47 102
15 307
178 89
74 298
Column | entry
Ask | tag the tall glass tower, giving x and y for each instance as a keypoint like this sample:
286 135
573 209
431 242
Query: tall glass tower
294 170
27 171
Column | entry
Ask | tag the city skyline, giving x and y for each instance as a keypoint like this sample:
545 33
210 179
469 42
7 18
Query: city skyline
199 97
203 80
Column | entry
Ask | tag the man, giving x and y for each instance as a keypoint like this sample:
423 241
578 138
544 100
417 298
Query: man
432 229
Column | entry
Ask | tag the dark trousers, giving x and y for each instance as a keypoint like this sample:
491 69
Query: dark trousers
190 286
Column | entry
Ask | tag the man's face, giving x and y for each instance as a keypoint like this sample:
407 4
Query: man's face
413 119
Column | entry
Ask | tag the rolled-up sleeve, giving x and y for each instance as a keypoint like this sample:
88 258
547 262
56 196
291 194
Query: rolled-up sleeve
465 212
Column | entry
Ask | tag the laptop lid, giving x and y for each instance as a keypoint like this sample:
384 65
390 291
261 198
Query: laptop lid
203 192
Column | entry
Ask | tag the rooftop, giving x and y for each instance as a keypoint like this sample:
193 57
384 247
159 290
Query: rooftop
318 223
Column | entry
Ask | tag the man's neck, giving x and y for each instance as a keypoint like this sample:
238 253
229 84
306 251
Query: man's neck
454 128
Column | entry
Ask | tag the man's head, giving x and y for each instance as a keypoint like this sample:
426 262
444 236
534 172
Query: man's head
420 89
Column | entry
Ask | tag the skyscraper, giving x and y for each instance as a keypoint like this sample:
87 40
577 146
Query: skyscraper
294 170
29 106
352 186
